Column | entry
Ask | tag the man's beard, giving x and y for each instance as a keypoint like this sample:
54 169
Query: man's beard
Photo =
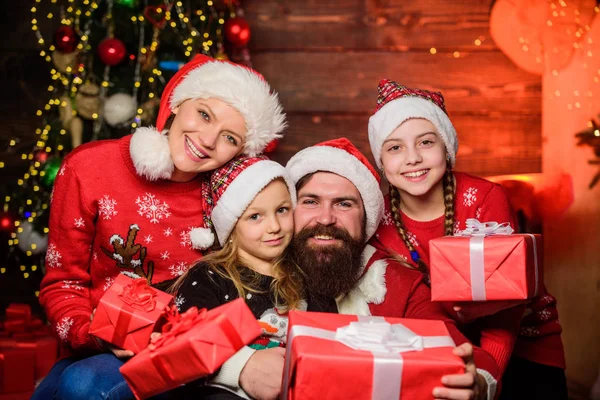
331 270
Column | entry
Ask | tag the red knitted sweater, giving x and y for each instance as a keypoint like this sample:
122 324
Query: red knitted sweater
105 219
538 339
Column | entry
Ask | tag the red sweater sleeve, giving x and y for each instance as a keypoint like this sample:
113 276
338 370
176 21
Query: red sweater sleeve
65 293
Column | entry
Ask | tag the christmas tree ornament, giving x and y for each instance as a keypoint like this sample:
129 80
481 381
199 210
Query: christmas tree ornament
30 239
119 108
62 61
237 31
87 100
51 170
156 16
112 51
65 39
72 123
126 3
7 222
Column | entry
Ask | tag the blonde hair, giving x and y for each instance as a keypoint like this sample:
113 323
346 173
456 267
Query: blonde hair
395 200
287 286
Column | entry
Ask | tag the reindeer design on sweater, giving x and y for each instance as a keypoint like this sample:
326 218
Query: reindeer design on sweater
129 255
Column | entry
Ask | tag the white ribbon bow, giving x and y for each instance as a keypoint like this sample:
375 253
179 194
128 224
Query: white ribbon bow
482 229
383 337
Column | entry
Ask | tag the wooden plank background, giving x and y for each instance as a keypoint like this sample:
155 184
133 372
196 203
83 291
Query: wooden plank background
325 60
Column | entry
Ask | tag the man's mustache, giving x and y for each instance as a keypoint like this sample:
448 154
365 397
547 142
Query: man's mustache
323 230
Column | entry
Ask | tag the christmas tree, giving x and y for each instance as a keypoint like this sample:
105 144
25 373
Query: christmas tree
108 62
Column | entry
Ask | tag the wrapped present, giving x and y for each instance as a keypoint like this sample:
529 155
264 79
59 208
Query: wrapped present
485 262
17 369
127 313
193 345
365 357
45 348
18 311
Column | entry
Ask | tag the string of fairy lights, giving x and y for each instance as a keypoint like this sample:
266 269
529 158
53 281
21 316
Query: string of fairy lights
194 28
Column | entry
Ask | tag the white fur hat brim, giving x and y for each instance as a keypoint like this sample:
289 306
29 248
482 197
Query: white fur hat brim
394 113
340 162
242 190
245 91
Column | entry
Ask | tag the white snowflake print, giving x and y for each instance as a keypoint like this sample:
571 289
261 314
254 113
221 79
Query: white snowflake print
165 255
108 283
178 269
168 232
72 285
151 208
249 296
62 170
412 239
107 207
79 222
95 256
478 213
179 300
469 197
387 220
456 227
226 297
53 257
544 315
184 237
148 239
529 331
63 327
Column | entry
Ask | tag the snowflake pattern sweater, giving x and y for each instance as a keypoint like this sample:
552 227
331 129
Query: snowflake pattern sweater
538 339
105 219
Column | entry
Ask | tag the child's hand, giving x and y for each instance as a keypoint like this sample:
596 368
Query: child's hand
469 385
263 373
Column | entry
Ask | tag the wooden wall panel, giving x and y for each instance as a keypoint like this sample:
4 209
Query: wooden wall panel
360 24
480 83
488 145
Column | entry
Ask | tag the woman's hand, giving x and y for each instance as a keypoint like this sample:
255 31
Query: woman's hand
467 386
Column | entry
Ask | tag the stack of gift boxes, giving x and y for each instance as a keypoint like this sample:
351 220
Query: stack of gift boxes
27 352
383 358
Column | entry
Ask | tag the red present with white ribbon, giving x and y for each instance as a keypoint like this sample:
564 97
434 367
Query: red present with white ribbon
128 312
332 356
485 262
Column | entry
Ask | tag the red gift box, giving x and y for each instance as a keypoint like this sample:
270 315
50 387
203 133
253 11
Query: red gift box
365 357
127 313
193 347
18 311
45 349
480 268
17 372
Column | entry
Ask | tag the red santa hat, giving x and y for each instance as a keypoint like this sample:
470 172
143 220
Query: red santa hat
204 77
341 157
396 104
231 190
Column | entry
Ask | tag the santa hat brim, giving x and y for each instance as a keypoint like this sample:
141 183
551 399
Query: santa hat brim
393 114
242 190
340 162
243 89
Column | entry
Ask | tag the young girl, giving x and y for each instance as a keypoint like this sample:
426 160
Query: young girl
132 206
414 143
253 217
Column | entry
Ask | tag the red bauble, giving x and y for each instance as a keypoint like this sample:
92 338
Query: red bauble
65 39
237 31
111 51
